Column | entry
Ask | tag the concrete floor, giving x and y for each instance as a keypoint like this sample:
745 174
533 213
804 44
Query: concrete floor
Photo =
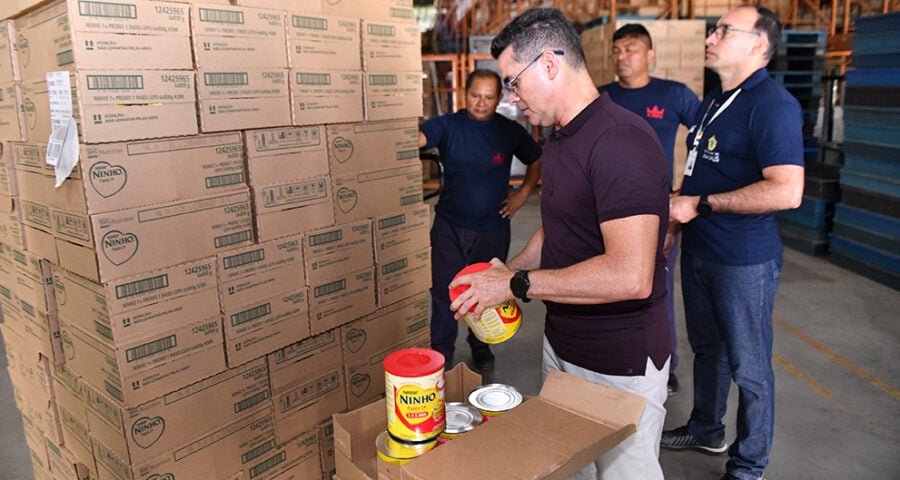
835 358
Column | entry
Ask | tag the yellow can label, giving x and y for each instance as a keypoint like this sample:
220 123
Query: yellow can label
415 406
497 324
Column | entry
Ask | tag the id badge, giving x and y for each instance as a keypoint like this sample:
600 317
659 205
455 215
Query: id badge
689 164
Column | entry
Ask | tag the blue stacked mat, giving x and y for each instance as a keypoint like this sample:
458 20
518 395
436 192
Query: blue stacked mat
866 230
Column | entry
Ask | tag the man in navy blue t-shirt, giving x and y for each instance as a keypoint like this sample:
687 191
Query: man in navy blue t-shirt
665 104
745 162
472 215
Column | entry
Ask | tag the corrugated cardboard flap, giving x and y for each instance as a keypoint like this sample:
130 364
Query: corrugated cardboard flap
551 436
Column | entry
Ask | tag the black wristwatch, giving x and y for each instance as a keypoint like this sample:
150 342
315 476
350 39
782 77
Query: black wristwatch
519 284
704 208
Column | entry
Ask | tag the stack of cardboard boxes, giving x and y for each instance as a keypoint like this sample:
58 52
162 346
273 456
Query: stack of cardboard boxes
241 240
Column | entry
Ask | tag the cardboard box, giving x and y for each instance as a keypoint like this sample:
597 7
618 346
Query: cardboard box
668 55
691 30
555 434
137 372
32 157
365 379
298 459
333 251
276 154
403 276
240 98
295 193
376 192
326 448
325 96
242 37
302 5
391 47
393 95
116 105
12 232
402 232
244 449
282 223
37 446
380 10
140 239
337 301
357 147
39 241
256 271
37 327
12 112
307 384
73 420
70 35
66 464
7 170
39 407
325 41
9 54
377 332
141 433
263 326
133 308
131 174
25 362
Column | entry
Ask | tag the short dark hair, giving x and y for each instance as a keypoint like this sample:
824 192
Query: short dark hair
768 24
483 73
537 30
634 30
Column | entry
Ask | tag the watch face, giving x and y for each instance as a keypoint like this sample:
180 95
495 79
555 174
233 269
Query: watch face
519 284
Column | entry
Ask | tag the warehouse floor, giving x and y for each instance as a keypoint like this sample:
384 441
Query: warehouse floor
835 358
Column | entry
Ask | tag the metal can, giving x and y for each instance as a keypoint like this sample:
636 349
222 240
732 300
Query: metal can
497 323
494 399
414 394
461 418
397 452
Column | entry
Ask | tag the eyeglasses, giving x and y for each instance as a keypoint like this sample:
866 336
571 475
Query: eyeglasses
721 31
510 85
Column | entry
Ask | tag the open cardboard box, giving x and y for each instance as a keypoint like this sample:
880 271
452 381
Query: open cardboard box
551 436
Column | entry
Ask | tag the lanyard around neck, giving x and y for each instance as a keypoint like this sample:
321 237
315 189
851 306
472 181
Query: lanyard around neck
704 124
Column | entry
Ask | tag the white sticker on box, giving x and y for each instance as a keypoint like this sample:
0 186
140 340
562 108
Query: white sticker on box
62 147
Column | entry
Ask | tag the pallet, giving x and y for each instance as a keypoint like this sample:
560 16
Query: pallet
873 133
877 224
878 23
824 188
872 272
792 50
872 96
866 181
818 234
881 168
804 37
890 245
809 96
875 60
868 151
872 201
866 253
798 78
881 43
801 62
823 170
874 77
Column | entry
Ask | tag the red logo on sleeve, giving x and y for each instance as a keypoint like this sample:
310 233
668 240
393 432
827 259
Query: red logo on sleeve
497 159
656 112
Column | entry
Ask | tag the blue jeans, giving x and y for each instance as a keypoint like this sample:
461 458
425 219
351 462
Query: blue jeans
452 248
728 311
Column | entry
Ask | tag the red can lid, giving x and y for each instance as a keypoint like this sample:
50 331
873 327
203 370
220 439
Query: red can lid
473 268
413 362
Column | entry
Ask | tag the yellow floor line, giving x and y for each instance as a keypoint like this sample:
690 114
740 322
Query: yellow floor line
837 358
790 367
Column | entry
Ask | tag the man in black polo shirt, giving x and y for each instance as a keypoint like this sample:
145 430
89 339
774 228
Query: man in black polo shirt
597 260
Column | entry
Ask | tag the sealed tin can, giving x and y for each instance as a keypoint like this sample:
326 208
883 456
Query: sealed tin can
497 323
494 399
461 418
397 452
414 394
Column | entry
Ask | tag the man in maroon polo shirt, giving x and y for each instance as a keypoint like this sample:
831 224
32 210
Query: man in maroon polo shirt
597 260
